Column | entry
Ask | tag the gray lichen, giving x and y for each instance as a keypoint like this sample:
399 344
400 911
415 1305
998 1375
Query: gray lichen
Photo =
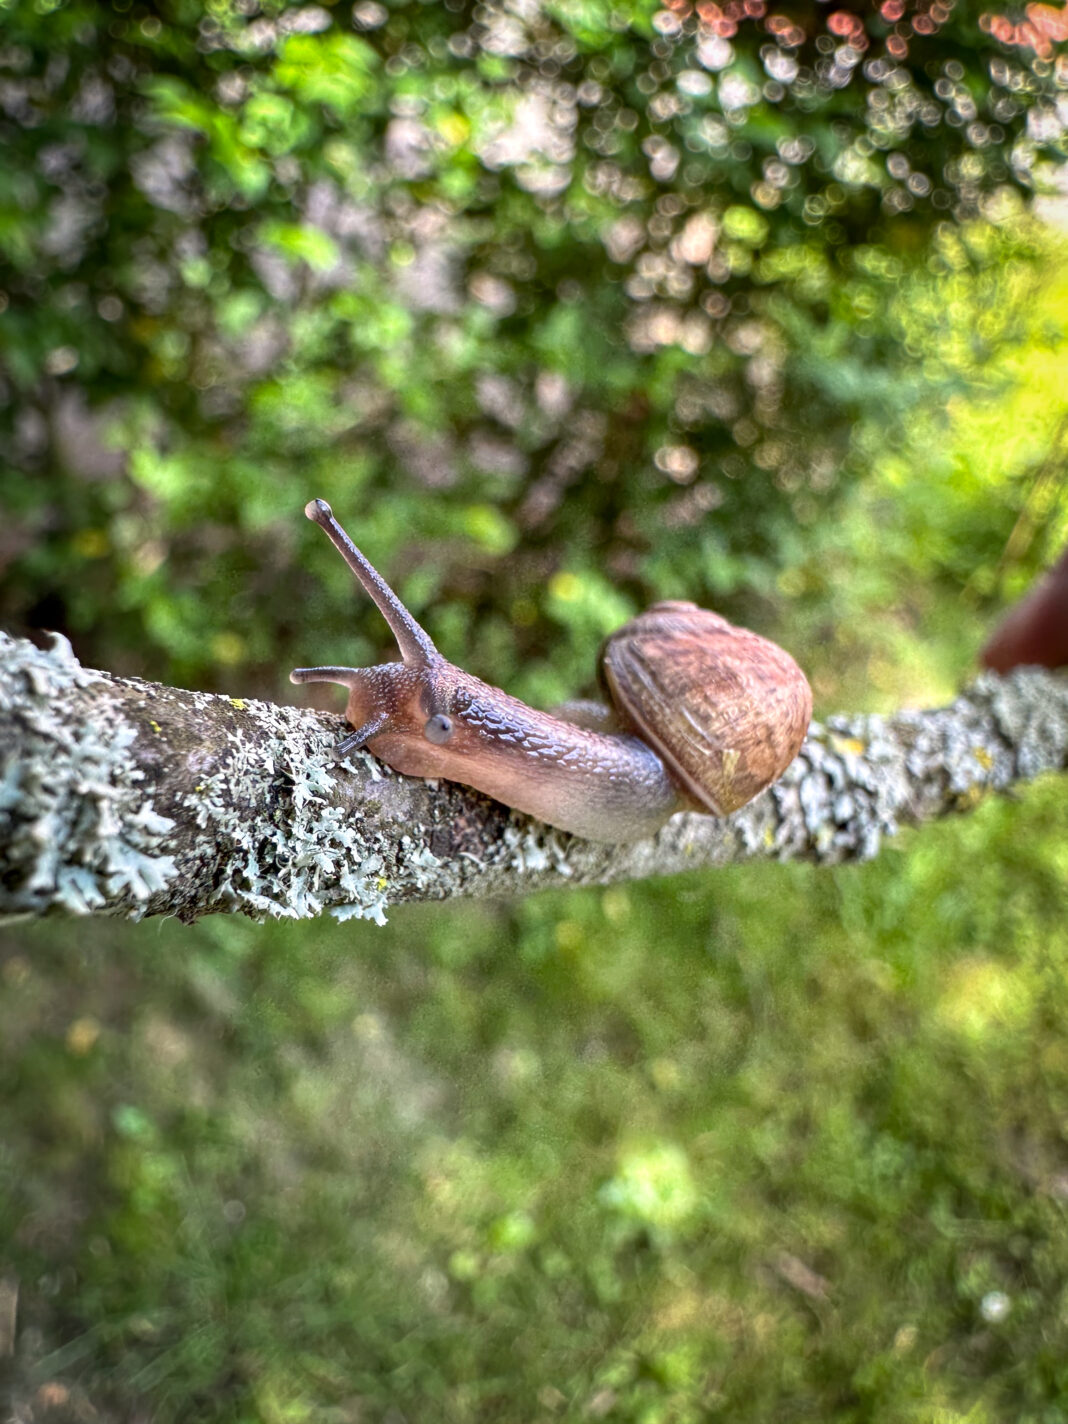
89 837
283 868
124 797
120 797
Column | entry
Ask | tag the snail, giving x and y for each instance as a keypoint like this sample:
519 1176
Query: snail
705 716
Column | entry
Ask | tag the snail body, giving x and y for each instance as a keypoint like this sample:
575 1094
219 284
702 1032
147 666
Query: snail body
705 716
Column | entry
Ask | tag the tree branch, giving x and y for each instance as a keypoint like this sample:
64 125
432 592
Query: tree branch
123 797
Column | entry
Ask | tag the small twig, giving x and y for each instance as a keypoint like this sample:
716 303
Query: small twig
123 797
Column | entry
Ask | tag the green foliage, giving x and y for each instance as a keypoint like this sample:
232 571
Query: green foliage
624 295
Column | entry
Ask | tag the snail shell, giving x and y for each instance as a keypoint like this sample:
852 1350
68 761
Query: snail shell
726 709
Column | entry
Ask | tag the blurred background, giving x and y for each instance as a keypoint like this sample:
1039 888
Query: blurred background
564 307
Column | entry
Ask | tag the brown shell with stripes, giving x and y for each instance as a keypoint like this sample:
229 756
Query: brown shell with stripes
725 708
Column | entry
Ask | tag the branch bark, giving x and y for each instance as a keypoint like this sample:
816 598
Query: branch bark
123 797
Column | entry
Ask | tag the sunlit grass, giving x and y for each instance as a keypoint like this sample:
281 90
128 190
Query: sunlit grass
778 1139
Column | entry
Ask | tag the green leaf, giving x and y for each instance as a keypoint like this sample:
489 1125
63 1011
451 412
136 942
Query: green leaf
301 242
334 69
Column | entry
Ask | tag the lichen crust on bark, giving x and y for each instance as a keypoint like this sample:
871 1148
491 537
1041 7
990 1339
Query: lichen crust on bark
93 835
125 797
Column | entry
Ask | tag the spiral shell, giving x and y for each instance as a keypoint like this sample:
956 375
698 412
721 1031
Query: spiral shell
725 708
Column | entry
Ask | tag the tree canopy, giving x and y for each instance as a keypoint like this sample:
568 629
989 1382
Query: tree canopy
560 305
